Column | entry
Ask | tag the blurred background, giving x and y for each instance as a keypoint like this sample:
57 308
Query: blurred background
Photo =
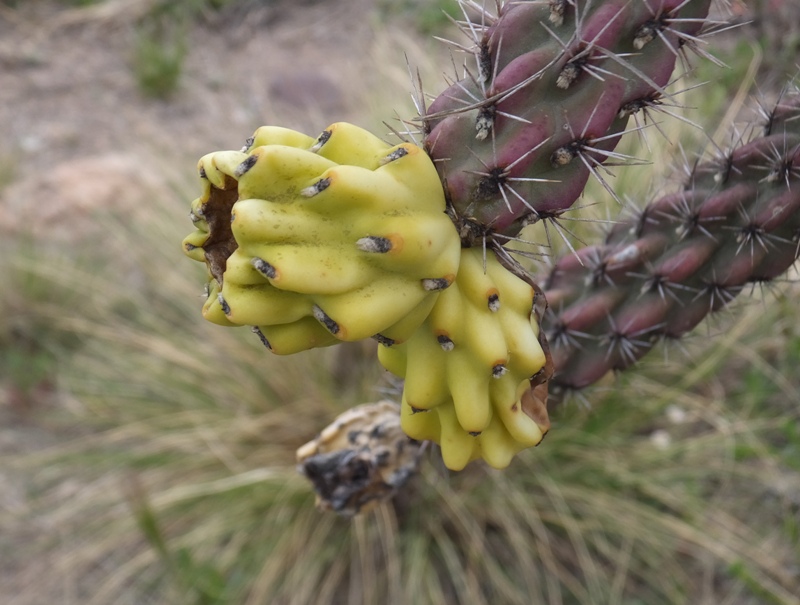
147 456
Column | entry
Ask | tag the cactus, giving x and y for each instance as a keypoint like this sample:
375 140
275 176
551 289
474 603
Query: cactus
658 274
343 237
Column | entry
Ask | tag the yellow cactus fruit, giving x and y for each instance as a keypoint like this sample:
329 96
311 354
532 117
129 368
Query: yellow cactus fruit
468 368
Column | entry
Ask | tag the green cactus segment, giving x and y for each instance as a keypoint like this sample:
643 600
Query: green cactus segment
314 241
469 369
516 140
737 222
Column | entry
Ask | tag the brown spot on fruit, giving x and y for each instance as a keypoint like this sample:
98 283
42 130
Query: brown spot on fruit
535 406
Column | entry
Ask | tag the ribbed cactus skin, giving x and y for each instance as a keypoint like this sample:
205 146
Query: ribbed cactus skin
736 222
553 89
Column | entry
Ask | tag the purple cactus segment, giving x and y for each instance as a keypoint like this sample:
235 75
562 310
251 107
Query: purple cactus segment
586 313
629 256
593 366
775 211
516 29
768 154
546 101
684 256
606 26
568 265
522 145
694 311
517 79
643 316
739 268
725 203
778 261
685 259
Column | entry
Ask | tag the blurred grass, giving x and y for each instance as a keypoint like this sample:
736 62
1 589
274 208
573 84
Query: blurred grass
426 16
162 469
159 56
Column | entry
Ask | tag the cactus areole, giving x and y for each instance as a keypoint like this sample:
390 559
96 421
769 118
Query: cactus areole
545 102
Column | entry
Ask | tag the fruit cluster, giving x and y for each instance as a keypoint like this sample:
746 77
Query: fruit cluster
344 237
468 367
